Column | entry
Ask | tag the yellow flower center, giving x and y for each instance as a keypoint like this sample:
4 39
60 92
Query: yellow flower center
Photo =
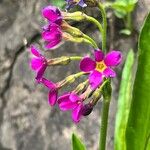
100 66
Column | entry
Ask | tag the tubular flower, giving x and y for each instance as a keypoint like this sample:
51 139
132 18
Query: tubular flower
72 3
73 102
100 67
52 35
53 91
38 62
52 14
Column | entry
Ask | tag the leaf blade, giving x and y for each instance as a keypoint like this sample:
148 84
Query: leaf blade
124 103
138 127
76 143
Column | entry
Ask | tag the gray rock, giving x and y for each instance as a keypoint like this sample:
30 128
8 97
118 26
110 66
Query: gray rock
27 122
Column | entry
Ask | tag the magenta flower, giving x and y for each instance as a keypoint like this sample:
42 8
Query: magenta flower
52 35
72 3
53 91
100 67
38 62
52 14
71 101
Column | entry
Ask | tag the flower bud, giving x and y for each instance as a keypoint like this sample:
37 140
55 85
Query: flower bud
77 16
86 109
75 32
81 87
69 37
70 79
96 96
64 60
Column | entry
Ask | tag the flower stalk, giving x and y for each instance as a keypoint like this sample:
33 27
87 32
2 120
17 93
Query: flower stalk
104 124
105 113
104 41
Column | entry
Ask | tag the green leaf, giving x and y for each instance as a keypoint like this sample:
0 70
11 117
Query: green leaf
124 101
76 143
58 3
138 127
122 7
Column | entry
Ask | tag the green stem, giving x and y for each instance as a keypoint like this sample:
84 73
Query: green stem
102 9
93 43
104 123
93 20
105 112
129 22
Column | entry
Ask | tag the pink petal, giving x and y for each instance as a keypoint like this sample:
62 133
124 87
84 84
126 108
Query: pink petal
41 72
67 105
76 115
113 58
74 97
51 13
52 97
52 44
99 55
63 98
51 35
109 73
87 64
36 63
95 79
35 51
48 83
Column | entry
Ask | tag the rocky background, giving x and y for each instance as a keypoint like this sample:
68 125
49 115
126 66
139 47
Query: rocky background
27 122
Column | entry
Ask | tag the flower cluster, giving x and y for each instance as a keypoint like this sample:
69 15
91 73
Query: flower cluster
81 100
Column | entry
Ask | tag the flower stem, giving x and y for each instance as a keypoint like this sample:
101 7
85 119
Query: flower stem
93 43
105 113
93 20
129 21
104 123
102 9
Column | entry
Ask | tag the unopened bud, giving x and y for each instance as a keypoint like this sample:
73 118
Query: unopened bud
64 60
70 79
81 87
75 32
69 37
96 96
77 16
86 109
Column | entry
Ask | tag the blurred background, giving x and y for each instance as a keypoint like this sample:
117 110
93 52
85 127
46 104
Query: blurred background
27 122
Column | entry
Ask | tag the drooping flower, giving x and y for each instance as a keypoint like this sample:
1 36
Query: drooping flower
73 102
53 91
52 35
38 62
101 66
72 3
52 14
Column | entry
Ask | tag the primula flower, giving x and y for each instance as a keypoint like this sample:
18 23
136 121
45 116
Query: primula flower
52 35
71 101
100 67
38 62
53 91
72 3
52 14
